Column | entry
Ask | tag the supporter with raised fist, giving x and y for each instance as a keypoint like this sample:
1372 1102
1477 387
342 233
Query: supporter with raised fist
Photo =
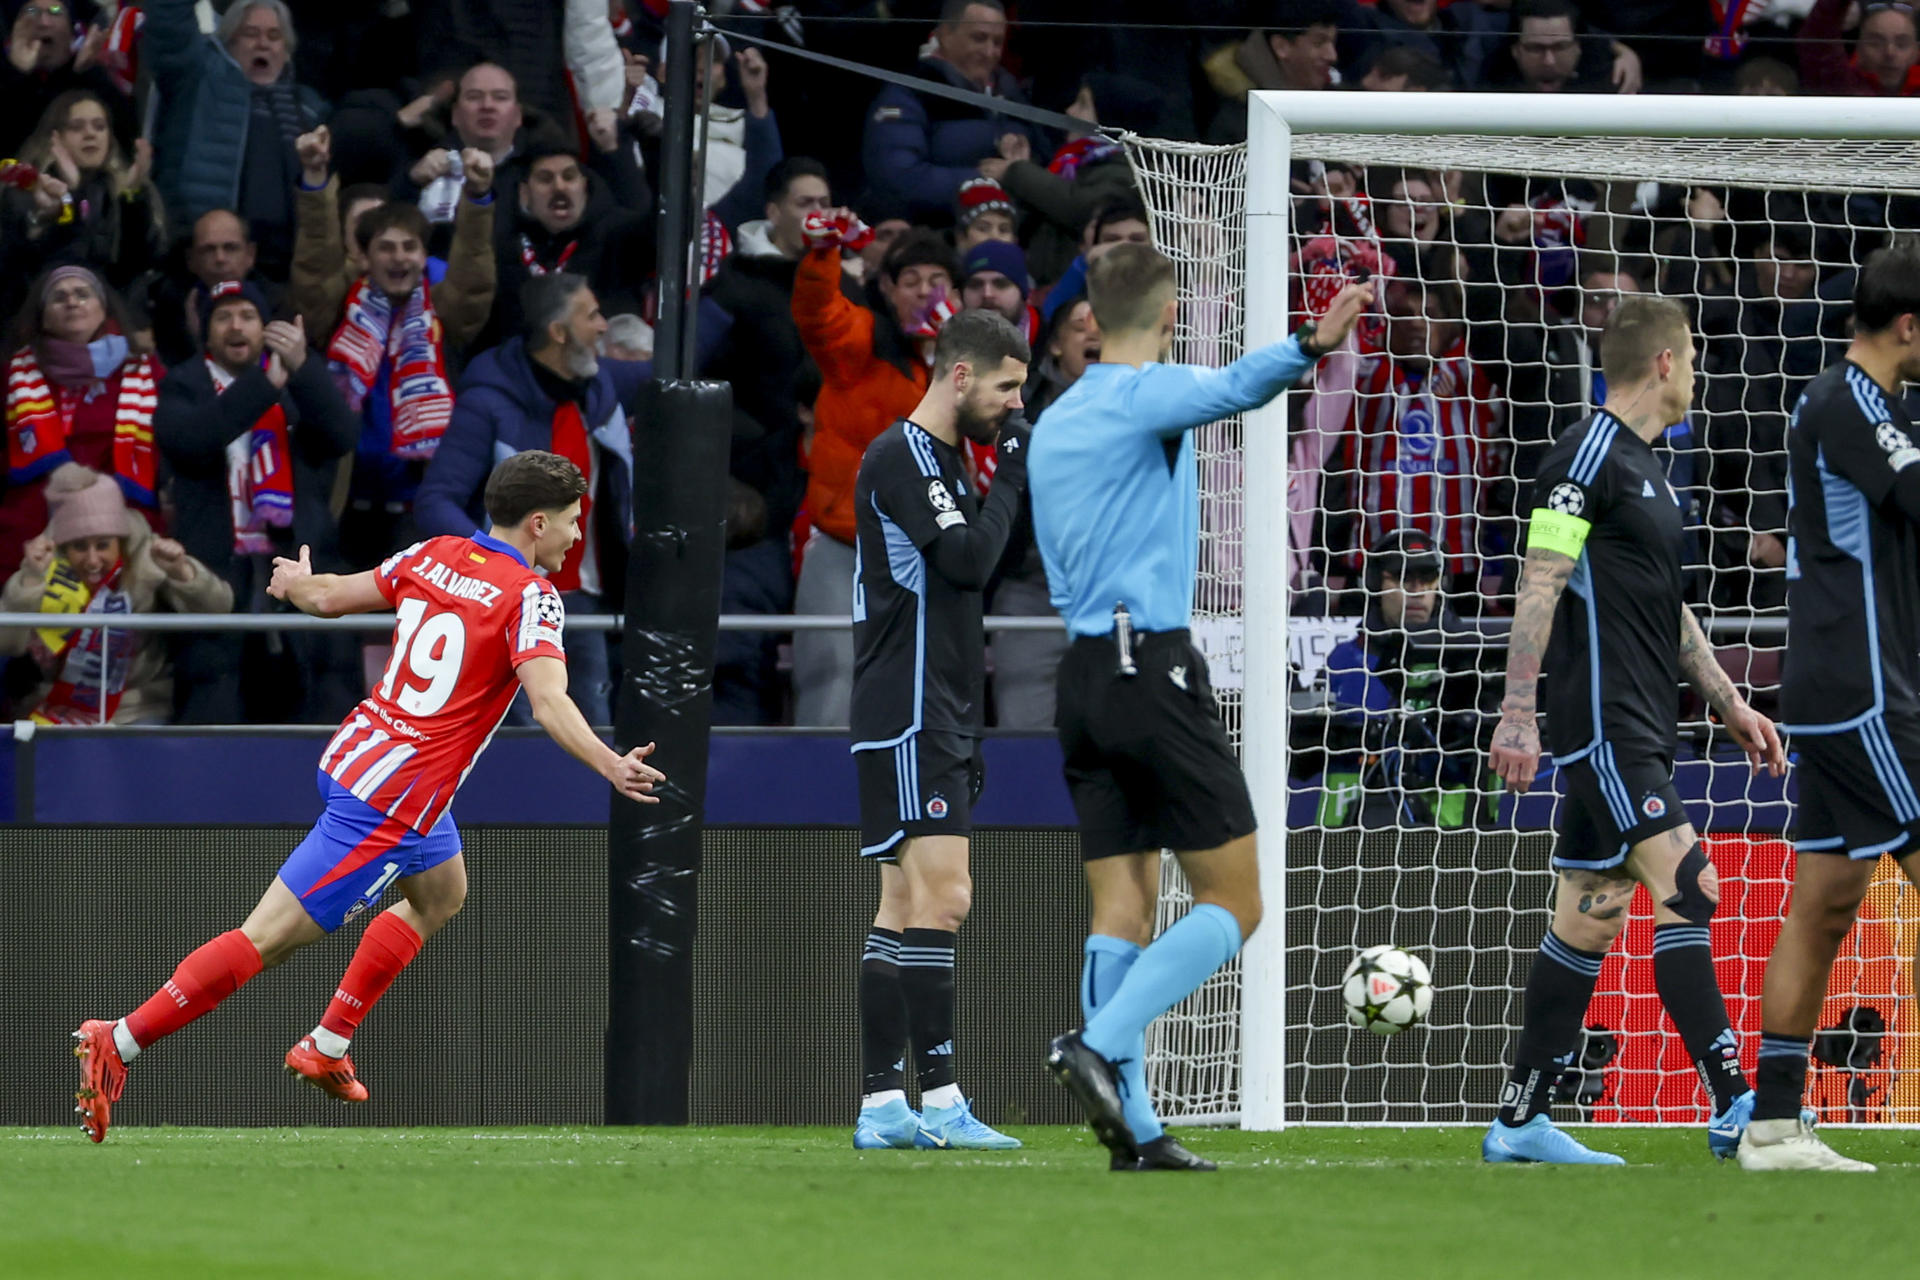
397 336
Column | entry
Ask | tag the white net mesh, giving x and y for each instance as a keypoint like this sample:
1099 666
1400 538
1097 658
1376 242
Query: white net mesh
1198 204
1498 260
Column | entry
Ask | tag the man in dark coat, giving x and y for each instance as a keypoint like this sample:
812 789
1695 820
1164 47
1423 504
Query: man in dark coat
257 417
919 149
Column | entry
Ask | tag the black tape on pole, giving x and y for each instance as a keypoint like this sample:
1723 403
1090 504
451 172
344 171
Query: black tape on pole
681 434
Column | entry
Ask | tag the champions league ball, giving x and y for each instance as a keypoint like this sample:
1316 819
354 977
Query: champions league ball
1386 990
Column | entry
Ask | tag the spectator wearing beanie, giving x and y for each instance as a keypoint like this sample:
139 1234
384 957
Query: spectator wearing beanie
874 366
993 274
982 211
1086 173
254 432
76 392
98 557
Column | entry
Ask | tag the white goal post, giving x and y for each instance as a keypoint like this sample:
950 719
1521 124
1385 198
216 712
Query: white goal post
1255 1046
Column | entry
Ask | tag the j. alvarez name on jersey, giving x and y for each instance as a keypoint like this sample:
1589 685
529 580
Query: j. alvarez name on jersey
456 584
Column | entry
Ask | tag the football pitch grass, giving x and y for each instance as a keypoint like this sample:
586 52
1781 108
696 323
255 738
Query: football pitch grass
338 1204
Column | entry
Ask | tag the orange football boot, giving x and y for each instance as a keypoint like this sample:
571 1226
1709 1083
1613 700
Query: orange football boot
103 1076
332 1076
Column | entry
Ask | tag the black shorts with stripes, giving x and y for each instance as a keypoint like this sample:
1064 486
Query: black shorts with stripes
924 785
1858 794
1610 802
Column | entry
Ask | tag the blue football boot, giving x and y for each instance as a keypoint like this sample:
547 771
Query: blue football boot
891 1125
1538 1141
956 1128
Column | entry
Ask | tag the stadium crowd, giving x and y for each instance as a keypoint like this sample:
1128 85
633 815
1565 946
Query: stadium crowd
295 273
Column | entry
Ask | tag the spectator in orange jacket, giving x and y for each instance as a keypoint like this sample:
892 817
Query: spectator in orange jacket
873 368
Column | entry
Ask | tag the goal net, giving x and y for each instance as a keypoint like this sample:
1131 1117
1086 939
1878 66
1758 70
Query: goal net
1500 233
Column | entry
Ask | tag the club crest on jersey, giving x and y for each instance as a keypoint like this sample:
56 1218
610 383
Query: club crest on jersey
1653 807
938 496
1418 440
1567 499
937 807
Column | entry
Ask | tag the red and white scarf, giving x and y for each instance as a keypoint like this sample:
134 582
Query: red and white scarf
420 394
531 260
259 476
92 663
572 441
37 424
121 57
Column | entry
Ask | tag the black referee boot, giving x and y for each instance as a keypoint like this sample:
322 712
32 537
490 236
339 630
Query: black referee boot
1093 1080
1163 1153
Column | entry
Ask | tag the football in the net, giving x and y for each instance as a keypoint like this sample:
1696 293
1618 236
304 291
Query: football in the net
1386 990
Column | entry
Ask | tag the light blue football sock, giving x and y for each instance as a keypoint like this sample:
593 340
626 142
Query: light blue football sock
1165 974
1108 960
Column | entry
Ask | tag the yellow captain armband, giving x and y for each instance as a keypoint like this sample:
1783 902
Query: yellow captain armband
1551 530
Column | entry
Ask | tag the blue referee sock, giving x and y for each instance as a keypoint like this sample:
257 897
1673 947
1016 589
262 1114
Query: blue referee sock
1108 960
1165 974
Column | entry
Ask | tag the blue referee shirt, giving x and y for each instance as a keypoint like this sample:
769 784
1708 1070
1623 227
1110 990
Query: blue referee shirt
1116 498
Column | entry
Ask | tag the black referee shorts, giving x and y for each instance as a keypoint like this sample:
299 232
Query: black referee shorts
1147 760
926 785
1857 791
1611 801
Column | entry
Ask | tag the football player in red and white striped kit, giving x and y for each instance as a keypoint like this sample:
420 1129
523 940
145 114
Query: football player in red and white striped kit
476 624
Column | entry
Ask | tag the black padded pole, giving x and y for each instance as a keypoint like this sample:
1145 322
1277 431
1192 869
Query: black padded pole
677 215
681 434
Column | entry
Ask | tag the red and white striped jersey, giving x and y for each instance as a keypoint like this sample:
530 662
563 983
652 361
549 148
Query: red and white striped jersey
1421 445
470 611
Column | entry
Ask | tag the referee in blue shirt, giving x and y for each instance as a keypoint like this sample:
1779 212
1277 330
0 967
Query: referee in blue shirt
1116 511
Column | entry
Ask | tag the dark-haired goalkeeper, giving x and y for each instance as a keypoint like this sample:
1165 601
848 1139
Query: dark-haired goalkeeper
926 545
1601 605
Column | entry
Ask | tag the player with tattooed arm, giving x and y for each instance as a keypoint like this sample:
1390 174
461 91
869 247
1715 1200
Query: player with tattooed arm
1602 609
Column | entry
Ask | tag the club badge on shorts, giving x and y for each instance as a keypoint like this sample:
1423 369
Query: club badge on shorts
937 807
1653 807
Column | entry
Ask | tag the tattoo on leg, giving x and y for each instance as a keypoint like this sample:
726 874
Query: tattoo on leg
1599 897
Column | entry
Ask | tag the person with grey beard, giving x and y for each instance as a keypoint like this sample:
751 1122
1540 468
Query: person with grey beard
547 388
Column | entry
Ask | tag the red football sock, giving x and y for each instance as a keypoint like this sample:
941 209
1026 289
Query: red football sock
387 947
207 976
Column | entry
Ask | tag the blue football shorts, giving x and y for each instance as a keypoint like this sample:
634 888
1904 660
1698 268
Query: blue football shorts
354 852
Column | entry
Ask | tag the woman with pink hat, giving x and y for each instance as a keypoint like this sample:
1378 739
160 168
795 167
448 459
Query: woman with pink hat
96 557
75 392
